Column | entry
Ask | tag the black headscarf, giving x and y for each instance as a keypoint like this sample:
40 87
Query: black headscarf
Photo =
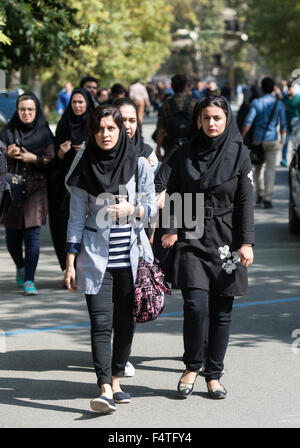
102 170
143 150
74 127
211 161
34 136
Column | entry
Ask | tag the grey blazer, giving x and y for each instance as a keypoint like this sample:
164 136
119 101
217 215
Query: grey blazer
88 235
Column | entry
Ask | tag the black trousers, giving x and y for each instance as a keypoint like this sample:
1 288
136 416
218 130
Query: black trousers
206 328
112 308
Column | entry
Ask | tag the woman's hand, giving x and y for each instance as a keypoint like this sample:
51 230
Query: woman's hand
13 150
246 255
168 240
70 279
124 208
26 156
64 148
160 199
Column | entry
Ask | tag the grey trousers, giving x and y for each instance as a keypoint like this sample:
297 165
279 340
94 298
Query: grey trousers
265 173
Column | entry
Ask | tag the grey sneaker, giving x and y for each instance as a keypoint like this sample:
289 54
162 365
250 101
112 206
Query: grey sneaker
129 369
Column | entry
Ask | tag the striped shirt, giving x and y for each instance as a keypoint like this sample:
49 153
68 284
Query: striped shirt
119 246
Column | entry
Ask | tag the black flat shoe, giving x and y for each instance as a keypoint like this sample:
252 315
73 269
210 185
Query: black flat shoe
185 389
217 394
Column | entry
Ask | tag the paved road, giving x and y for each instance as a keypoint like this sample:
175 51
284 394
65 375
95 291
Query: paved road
47 379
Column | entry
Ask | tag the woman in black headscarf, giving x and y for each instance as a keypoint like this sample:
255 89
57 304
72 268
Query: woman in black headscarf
213 176
129 112
102 235
71 136
30 149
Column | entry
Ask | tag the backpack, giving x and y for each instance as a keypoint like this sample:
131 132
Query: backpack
180 121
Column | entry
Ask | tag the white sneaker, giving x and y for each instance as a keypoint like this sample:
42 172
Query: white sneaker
129 369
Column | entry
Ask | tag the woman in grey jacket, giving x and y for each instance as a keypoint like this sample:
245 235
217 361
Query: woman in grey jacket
104 221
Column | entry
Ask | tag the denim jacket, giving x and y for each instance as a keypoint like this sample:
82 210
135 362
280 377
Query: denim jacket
91 240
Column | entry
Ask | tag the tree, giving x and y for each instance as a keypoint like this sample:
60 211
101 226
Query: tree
42 31
4 40
197 33
273 28
134 40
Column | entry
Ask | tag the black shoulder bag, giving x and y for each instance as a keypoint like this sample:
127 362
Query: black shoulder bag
257 154
16 185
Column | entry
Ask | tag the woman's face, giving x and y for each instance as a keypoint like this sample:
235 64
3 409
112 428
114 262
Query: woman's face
27 111
213 121
78 104
128 113
108 134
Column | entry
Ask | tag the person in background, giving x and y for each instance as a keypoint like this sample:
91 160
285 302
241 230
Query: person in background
4 186
103 96
64 98
165 132
107 254
138 93
226 91
212 88
292 110
117 91
91 85
71 136
129 112
30 152
260 111
199 90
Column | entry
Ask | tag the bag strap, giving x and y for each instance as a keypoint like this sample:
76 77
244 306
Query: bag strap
136 174
270 119
187 103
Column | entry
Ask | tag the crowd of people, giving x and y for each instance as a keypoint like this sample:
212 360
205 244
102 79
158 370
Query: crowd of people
97 148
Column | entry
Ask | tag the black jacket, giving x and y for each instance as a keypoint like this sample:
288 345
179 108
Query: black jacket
210 262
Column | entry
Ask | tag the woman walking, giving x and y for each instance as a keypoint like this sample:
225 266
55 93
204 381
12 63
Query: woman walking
102 234
211 269
71 136
30 150
129 112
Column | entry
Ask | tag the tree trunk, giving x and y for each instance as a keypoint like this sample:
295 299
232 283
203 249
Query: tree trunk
15 79
36 86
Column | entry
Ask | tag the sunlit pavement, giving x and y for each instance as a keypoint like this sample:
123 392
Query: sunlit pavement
47 379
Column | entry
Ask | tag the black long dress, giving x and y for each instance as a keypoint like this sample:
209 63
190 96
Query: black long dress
220 169
73 128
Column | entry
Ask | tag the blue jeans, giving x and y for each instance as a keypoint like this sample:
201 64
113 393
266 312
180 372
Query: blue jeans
14 243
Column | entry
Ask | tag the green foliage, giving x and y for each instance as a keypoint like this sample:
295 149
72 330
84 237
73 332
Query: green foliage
41 31
273 28
203 16
135 38
4 40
